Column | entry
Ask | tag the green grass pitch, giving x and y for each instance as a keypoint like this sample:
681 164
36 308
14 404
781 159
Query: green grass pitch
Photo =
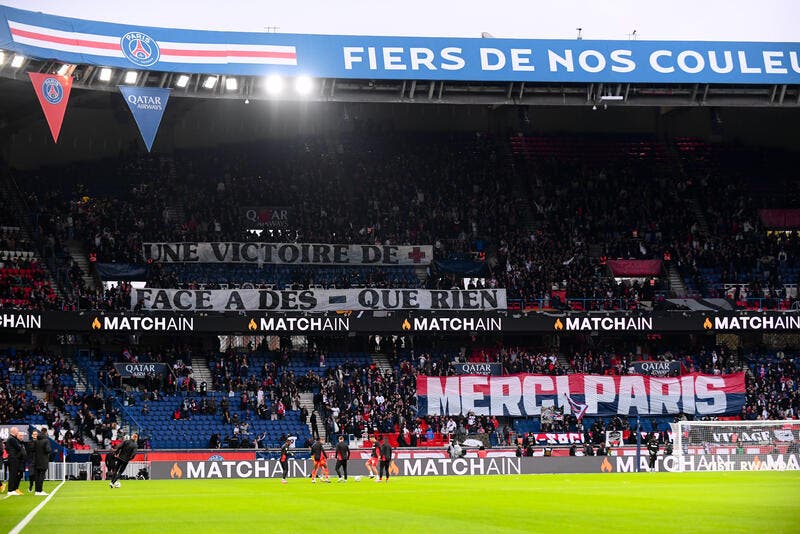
621 502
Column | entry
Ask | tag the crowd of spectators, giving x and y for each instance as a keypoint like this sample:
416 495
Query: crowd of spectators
737 256
547 222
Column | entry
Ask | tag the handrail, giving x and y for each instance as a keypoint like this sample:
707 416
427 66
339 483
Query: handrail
587 304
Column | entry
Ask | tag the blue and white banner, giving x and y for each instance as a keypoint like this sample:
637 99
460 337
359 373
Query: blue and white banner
526 395
147 105
415 58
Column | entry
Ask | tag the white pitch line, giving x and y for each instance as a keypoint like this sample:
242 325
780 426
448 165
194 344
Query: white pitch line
27 519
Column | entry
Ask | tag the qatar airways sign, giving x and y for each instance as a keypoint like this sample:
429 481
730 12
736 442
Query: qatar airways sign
526 394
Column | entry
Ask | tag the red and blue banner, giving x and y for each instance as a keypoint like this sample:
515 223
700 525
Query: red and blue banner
130 46
53 94
524 395
147 105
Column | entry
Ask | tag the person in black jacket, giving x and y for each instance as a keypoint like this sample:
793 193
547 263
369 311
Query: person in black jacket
29 455
41 460
2 466
285 455
124 454
652 449
16 461
342 455
386 459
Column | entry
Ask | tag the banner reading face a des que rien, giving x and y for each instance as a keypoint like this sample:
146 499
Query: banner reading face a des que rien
527 394
288 253
312 300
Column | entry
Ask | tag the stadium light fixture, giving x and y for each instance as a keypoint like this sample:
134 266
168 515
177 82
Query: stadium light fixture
210 82
63 69
17 61
274 84
131 76
303 85
105 74
183 81
231 84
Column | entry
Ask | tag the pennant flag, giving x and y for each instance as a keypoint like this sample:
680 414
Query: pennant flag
147 105
53 93
578 409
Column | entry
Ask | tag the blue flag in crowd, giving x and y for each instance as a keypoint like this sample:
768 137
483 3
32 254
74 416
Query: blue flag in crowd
147 105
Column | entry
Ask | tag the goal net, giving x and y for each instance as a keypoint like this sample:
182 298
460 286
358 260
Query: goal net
736 445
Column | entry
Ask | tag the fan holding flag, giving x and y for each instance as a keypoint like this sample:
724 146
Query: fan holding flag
578 409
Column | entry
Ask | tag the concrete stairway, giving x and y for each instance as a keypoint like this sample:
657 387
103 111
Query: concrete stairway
307 400
201 373
700 216
78 255
381 362
676 282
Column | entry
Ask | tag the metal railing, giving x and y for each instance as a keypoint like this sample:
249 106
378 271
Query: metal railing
577 304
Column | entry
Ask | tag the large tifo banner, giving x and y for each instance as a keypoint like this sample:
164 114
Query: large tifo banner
128 46
312 300
526 394
288 253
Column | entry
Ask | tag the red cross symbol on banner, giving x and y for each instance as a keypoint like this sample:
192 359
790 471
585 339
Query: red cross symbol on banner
416 254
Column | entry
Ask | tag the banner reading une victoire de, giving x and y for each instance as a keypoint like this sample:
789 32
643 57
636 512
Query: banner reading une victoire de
526 394
288 253
317 299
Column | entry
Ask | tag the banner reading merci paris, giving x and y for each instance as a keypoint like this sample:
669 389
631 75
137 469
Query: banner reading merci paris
401 58
526 394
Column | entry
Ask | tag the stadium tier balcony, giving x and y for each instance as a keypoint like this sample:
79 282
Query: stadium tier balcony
280 276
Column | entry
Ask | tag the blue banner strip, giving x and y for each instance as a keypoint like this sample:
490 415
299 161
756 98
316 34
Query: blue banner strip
407 58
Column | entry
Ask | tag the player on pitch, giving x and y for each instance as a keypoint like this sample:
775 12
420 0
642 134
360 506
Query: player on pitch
372 463
285 454
124 454
320 461
342 455
386 459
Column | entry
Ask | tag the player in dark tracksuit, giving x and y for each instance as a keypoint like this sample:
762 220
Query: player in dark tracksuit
342 455
285 454
385 458
652 448
2 466
123 455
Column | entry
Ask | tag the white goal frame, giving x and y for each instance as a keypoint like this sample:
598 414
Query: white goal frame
758 445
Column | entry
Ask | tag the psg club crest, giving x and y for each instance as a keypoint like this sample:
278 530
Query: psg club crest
53 91
140 48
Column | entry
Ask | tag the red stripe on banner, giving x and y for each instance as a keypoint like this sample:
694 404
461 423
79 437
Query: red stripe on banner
64 40
228 53
422 384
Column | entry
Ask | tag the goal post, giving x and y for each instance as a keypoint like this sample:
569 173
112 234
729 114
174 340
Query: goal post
736 445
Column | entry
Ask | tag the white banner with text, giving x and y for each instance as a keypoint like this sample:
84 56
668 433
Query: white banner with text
313 300
287 253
